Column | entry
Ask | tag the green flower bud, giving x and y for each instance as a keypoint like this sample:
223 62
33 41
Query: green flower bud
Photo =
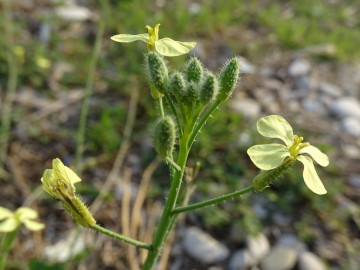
177 84
79 212
265 178
228 78
158 71
194 70
165 135
209 89
191 94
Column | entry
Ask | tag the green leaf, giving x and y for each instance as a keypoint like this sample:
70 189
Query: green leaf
311 178
316 154
268 156
275 126
125 38
170 47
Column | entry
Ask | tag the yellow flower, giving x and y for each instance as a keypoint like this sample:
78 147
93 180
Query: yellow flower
59 180
59 183
165 46
270 156
10 221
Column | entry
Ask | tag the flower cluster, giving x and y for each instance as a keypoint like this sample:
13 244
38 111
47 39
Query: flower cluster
270 156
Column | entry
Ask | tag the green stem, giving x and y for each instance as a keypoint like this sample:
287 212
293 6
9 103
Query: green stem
6 246
11 83
216 200
202 122
161 107
121 237
166 219
80 136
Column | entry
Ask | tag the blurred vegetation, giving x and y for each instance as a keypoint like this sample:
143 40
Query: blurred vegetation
252 29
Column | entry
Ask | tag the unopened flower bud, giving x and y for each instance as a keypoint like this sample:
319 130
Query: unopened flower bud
79 212
228 78
177 84
194 70
164 137
191 94
209 89
158 71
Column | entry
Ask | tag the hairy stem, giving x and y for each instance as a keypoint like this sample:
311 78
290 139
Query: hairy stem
216 200
121 237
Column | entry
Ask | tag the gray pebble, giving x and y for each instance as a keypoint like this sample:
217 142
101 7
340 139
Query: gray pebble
247 107
280 258
258 246
291 241
204 248
309 261
241 260
330 89
346 106
351 125
299 67
354 180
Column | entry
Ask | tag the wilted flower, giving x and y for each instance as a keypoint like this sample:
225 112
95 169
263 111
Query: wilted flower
10 221
270 156
165 46
59 180
59 183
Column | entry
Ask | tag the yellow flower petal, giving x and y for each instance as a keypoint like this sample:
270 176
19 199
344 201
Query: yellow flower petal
8 225
125 38
65 173
316 154
275 126
5 213
170 47
311 178
268 156
33 225
24 213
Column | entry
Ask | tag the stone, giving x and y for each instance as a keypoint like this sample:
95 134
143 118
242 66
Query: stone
280 258
247 107
346 106
330 89
66 249
73 13
258 246
291 241
309 261
354 180
299 67
241 260
315 106
204 248
246 66
351 125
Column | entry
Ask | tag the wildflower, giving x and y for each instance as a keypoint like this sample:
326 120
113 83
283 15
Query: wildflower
165 46
59 183
10 221
270 156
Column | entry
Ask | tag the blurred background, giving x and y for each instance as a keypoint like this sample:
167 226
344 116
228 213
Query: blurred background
300 59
